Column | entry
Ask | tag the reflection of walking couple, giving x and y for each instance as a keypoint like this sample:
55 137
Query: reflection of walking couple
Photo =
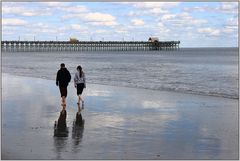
63 79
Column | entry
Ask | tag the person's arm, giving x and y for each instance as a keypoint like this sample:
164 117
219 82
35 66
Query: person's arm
57 78
84 80
69 76
75 80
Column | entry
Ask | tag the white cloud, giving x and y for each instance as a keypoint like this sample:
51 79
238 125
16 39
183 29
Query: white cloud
228 30
103 23
197 9
168 17
40 25
150 8
132 14
183 19
152 5
138 22
69 16
121 29
94 18
198 21
75 9
225 7
18 10
162 28
229 6
55 4
76 27
232 22
99 17
209 31
155 8
100 31
13 22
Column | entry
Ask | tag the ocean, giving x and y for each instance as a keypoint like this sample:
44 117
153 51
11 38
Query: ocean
203 71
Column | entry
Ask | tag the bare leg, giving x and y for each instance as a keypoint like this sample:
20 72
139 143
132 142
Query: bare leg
79 109
82 102
64 102
79 99
64 106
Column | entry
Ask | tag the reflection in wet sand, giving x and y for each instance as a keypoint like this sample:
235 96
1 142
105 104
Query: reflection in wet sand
60 145
77 135
121 123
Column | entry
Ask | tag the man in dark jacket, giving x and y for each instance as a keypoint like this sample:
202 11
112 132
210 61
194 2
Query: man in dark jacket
62 80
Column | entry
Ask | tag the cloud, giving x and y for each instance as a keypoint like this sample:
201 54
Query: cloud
41 28
40 25
209 31
197 9
100 31
138 22
162 27
13 22
75 9
23 11
55 4
76 27
101 17
225 7
228 7
231 26
232 22
228 30
168 17
150 8
94 18
152 5
182 19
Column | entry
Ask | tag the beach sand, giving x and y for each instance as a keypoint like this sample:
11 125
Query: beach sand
120 123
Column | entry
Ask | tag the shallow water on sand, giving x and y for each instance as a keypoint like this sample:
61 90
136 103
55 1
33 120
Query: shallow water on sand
206 71
120 123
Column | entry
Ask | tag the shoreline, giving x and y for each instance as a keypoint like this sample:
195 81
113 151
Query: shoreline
171 91
120 123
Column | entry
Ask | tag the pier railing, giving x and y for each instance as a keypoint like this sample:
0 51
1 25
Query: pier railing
48 46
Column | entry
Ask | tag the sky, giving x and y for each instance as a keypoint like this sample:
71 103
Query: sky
195 24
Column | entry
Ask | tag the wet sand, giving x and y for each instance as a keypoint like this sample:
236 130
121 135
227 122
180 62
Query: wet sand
120 123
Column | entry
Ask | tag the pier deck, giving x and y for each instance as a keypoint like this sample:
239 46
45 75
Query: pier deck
47 46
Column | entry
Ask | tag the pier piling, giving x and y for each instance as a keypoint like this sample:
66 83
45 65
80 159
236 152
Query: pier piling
49 46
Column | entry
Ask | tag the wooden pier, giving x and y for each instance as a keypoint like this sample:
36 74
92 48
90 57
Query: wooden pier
49 46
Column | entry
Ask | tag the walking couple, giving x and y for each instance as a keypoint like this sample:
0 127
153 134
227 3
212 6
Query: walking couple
62 80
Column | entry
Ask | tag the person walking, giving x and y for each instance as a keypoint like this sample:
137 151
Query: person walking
62 80
80 84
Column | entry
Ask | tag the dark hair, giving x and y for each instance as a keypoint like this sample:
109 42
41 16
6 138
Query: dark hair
80 70
62 65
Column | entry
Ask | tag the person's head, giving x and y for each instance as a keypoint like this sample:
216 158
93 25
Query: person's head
62 65
79 68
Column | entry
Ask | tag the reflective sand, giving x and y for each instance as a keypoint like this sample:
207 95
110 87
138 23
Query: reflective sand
120 123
